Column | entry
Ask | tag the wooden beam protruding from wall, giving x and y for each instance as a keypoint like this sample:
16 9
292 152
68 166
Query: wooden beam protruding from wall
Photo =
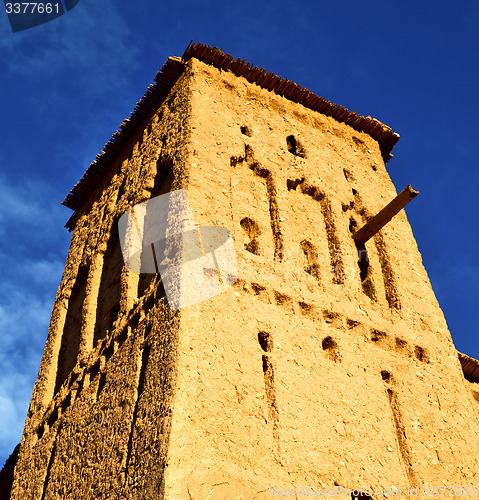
385 215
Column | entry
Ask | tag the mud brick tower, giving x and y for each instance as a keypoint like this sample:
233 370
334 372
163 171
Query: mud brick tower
316 368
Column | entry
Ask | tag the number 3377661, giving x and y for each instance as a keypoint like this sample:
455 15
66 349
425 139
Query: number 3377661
32 7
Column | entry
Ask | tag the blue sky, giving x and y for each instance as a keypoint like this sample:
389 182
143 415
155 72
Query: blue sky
68 84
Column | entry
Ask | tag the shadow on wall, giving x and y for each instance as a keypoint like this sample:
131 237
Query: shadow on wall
6 474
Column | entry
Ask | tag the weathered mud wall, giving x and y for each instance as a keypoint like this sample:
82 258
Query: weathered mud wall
312 370
112 336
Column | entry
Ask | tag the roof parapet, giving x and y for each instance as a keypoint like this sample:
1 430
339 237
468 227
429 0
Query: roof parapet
166 79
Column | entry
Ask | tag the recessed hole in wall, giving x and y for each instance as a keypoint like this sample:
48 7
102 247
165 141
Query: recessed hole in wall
265 341
252 231
308 250
377 336
353 226
122 336
108 302
252 247
234 160
259 171
135 319
347 175
292 184
82 273
421 354
310 257
354 191
94 369
171 99
73 377
70 339
334 243
257 289
274 214
148 329
388 273
284 301
79 386
121 189
159 290
351 323
164 175
358 141
145 282
145 356
368 288
40 431
401 435
360 495
330 347
385 375
305 308
294 146
313 192
246 131
109 350
67 402
330 317
402 345
363 260
266 364
374 167
112 314
150 300
240 284
53 417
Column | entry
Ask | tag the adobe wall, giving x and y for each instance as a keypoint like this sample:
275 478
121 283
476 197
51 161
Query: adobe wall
111 340
360 384
301 374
